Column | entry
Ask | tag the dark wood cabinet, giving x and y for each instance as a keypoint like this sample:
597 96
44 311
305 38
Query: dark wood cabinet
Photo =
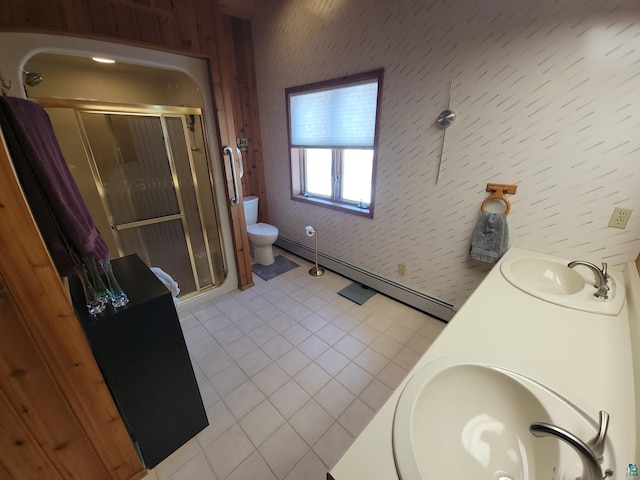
141 352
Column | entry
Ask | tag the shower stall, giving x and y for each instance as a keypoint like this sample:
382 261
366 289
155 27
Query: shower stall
144 173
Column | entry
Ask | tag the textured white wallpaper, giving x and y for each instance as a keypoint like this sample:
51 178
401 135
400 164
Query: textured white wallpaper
547 95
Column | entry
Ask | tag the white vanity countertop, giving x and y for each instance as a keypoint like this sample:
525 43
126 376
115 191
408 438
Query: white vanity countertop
584 357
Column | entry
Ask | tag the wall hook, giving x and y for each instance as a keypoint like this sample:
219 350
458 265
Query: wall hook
6 85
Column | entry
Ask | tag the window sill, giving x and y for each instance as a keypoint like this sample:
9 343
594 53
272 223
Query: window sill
341 207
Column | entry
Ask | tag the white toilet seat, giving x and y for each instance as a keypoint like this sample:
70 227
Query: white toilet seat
262 230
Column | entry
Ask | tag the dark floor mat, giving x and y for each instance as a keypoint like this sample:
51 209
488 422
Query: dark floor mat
280 266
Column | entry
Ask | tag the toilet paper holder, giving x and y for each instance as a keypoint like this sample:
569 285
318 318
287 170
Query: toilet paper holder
499 189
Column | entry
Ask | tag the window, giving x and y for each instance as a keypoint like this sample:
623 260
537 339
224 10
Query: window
333 138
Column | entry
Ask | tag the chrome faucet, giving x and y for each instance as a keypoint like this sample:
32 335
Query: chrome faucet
602 277
590 452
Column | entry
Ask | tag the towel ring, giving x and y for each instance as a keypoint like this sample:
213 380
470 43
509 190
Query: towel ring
497 195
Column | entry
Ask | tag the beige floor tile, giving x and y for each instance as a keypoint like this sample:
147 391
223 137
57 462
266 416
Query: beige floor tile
269 379
387 346
310 467
220 420
276 347
346 322
296 334
376 394
312 378
334 398
356 417
252 468
240 348
216 324
332 361
311 421
406 358
280 367
228 380
282 323
198 467
332 445
399 333
365 333
215 363
354 378
228 451
293 361
372 361
313 346
177 459
314 322
249 323
283 450
262 334
330 334
243 399
350 346
228 334
289 398
253 362
261 422
392 375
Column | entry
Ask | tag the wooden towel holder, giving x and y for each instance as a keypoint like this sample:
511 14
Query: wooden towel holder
499 190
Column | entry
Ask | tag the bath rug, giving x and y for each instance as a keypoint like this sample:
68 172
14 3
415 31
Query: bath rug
357 293
280 266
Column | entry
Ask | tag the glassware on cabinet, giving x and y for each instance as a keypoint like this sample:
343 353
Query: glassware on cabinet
116 295
94 304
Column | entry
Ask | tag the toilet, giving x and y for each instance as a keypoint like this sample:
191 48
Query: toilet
262 236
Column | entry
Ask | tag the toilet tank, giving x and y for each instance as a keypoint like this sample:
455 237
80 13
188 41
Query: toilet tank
251 210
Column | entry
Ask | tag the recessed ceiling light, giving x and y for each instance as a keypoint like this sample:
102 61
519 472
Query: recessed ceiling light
103 60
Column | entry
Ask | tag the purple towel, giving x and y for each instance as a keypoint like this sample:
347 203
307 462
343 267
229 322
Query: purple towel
52 193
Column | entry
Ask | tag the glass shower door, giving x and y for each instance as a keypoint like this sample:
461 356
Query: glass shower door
145 173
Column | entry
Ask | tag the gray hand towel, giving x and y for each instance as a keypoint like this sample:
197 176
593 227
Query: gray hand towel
490 238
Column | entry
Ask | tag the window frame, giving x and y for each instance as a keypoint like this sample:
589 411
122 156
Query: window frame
297 158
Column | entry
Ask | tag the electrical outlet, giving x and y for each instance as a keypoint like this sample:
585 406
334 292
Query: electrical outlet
620 217
402 269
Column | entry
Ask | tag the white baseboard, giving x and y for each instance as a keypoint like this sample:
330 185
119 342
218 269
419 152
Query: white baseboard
425 303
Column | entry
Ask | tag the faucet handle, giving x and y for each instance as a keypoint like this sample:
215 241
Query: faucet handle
604 270
596 444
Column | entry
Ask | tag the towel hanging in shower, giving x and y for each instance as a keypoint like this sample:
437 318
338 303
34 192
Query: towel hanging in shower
53 196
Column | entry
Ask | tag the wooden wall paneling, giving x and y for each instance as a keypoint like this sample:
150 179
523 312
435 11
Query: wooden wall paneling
224 82
23 13
254 163
187 22
103 20
126 21
34 395
5 12
50 13
48 319
169 32
21 458
149 27
77 16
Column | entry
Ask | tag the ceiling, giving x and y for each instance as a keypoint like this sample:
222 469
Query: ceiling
245 9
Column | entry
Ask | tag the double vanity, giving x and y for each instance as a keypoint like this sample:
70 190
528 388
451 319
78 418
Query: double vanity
532 379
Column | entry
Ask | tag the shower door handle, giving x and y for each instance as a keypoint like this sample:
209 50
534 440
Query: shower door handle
236 198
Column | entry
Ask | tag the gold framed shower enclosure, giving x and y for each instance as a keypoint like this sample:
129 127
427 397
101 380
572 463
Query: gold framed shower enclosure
152 183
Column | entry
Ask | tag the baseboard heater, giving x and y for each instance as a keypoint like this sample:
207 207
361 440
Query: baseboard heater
432 306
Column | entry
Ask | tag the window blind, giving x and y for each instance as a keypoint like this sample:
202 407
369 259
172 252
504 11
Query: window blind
339 117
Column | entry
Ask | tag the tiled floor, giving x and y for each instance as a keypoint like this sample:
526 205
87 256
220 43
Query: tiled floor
290 373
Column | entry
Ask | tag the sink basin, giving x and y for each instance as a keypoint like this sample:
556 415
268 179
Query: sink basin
471 420
553 281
